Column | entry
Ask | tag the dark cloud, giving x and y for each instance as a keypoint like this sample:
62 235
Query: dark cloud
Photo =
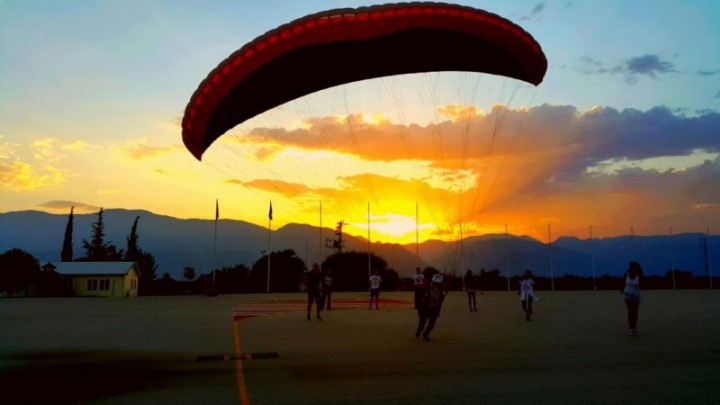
574 140
534 13
708 72
57 205
602 136
646 65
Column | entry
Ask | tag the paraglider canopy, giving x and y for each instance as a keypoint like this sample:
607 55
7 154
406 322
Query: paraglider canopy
351 44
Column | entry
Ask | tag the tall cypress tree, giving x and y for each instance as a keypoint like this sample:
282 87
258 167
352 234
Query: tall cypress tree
144 260
67 249
132 252
96 250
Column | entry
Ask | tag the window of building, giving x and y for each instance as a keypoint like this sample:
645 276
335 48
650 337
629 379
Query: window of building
104 284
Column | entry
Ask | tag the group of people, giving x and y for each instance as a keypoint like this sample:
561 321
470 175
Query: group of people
429 294
319 287
630 290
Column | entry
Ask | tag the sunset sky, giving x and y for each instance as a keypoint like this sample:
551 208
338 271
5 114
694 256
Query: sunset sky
623 132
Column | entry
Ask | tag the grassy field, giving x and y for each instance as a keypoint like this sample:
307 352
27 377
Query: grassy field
144 350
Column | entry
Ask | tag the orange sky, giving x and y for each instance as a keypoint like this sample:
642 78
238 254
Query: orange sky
524 167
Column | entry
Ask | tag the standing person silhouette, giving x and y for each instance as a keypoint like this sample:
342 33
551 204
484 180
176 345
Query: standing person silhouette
327 288
470 287
313 286
418 285
527 293
632 295
374 282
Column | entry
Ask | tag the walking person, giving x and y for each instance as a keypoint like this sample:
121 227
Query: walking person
313 286
418 286
632 295
470 286
527 293
327 288
430 304
374 282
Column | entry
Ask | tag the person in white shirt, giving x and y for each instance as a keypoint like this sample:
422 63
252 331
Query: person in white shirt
327 289
374 281
632 295
527 293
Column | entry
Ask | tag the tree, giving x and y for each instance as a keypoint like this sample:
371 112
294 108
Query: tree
97 250
189 273
285 272
144 260
229 280
132 252
350 269
67 249
168 285
18 269
147 267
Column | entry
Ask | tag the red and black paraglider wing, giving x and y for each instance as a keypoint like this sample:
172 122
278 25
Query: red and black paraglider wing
345 45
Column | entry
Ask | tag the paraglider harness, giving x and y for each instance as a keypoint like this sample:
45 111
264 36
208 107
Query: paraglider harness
433 298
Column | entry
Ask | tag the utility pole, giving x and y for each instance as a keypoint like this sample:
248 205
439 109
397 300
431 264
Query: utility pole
552 278
507 258
705 245
672 258
338 243
593 262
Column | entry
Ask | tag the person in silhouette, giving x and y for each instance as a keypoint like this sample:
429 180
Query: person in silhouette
632 295
374 282
430 304
418 286
327 288
527 293
470 286
313 286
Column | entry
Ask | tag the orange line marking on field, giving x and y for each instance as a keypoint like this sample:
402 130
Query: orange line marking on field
242 387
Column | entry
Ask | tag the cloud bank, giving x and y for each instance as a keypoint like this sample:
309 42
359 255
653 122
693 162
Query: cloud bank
599 166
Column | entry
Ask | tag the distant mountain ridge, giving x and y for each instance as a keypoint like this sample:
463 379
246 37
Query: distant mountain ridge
177 243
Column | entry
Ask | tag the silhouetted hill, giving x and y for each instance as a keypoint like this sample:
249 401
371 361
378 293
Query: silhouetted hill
177 243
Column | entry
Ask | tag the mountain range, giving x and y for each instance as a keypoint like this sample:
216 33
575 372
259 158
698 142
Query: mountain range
178 243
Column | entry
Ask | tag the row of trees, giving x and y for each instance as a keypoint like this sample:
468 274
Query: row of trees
287 274
493 280
19 270
98 250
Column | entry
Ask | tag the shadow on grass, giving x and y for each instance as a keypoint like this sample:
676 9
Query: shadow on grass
44 377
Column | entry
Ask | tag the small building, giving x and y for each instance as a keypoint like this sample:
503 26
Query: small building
99 279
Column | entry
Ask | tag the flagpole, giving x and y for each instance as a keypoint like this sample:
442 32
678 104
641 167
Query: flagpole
417 234
268 258
369 272
320 245
552 278
593 261
212 263
672 258
507 258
